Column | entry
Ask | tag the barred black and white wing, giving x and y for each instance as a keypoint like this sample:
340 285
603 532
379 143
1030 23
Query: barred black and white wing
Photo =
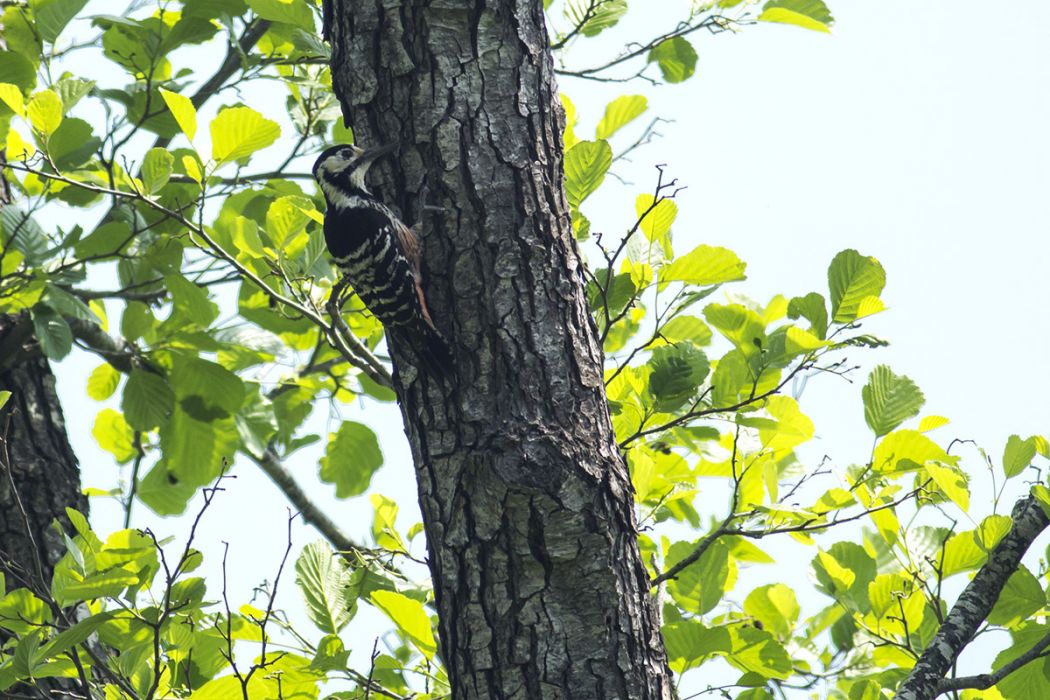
380 256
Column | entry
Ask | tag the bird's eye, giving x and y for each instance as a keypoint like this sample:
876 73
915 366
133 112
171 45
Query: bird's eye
347 153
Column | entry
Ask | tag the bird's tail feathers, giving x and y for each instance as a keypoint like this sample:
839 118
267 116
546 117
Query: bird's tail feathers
429 346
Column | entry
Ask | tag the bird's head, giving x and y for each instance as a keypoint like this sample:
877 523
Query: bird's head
347 164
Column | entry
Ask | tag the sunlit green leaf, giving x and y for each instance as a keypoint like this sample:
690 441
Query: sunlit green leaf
11 95
808 14
1017 455
812 308
620 112
45 112
704 265
585 166
854 280
295 12
238 132
410 617
114 435
775 606
594 16
889 400
183 110
102 382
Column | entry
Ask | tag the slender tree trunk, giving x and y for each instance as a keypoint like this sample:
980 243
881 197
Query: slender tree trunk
528 506
39 476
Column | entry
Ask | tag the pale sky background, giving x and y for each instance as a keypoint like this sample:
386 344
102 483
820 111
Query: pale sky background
916 133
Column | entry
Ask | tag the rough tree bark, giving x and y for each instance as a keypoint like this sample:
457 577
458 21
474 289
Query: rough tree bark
540 588
39 476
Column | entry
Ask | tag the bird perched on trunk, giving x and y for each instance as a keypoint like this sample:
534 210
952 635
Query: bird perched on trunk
377 253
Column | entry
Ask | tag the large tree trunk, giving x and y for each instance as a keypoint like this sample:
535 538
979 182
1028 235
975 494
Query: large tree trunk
540 588
39 476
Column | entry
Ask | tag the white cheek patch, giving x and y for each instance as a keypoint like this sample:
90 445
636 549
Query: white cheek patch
335 196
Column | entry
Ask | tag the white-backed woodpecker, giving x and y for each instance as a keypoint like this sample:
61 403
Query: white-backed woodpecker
377 252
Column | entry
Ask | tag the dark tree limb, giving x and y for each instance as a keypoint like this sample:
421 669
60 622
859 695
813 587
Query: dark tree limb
926 679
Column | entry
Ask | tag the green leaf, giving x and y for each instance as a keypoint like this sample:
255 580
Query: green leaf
157 167
808 14
351 458
656 224
102 382
147 400
854 280
163 492
704 265
72 144
238 132
52 331
690 642
619 292
196 448
700 586
11 95
1031 679
620 112
324 580
245 234
410 617
756 651
114 435
286 218
213 383
256 423
52 16
844 572
739 324
775 606
5 396
17 69
72 90
594 16
889 400
686 327
77 634
1021 597
45 112
1017 455
585 166
812 308
190 302
676 58
677 372
183 110
952 482
22 612
295 12
107 584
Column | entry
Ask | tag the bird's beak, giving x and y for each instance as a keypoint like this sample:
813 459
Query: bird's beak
373 153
